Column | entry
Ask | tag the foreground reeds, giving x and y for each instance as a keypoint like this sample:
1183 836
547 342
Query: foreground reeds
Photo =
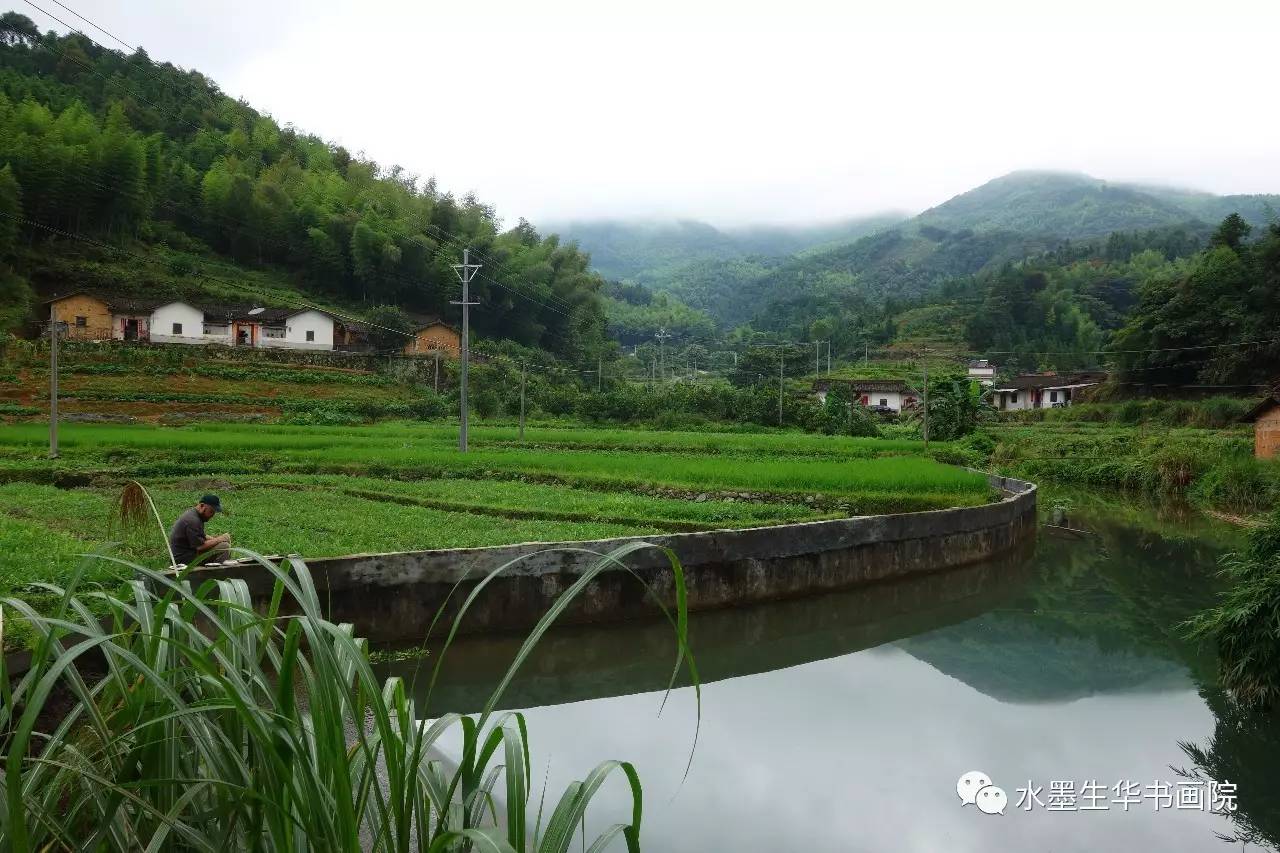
185 720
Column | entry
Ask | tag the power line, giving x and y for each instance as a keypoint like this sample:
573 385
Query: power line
447 236
455 241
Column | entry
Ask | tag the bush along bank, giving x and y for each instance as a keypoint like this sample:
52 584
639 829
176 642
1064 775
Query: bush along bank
1210 469
1209 413
1244 627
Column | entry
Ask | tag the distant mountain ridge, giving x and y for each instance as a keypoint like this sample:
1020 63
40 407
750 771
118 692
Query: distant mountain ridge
645 252
1074 206
747 277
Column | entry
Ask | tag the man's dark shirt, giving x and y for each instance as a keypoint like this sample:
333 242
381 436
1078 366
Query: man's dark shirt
186 536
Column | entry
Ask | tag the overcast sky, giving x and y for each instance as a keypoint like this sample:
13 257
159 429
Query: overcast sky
743 111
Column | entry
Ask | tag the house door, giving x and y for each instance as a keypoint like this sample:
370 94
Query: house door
243 334
131 330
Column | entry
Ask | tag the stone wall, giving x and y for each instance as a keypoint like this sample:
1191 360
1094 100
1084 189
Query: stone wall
393 597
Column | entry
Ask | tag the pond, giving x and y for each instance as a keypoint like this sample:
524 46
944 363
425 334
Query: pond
845 721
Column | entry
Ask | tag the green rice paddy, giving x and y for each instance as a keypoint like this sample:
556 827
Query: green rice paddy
325 491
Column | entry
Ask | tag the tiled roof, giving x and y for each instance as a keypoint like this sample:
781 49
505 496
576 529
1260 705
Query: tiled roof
869 385
1040 381
116 302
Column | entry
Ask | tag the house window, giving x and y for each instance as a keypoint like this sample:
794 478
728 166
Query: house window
884 401
1013 398
177 328
1053 396
311 335
81 322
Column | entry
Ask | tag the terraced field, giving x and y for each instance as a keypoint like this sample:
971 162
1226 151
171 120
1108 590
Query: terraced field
322 491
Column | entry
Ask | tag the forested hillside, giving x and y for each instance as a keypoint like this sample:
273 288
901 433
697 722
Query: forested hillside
1070 206
107 158
959 244
657 253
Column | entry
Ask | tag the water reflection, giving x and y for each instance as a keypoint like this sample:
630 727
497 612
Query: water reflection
579 663
841 722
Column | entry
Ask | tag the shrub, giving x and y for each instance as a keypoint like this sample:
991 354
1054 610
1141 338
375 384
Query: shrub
1245 625
1175 466
487 404
1239 484
957 455
216 727
980 443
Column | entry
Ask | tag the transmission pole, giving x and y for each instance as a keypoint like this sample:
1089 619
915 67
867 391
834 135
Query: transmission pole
522 379
662 351
828 358
925 431
437 373
465 272
53 383
817 365
782 357
599 372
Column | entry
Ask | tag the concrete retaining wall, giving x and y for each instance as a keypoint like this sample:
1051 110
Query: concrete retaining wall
394 597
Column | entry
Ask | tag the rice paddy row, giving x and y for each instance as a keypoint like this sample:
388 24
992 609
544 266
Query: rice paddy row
326 491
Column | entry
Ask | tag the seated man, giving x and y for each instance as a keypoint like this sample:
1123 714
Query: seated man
187 538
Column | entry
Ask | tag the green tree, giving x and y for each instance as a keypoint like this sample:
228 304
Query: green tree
1231 233
389 328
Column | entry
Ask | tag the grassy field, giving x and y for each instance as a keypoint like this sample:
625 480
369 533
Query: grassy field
323 491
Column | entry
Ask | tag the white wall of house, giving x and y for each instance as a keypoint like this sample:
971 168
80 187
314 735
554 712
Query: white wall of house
217 332
1055 397
1015 400
272 336
308 330
1049 398
892 399
177 323
982 372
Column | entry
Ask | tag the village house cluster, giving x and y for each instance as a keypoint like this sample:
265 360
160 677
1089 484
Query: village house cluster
1025 391
91 316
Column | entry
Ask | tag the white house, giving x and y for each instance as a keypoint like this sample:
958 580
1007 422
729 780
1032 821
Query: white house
242 326
178 323
983 371
893 394
307 330
1041 391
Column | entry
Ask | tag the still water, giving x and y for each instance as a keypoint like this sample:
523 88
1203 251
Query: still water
843 722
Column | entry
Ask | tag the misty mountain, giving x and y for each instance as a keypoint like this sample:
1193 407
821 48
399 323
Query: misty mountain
1074 206
1020 215
650 253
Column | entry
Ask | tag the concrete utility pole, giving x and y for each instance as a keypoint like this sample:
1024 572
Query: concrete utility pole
599 373
522 376
437 376
782 358
817 365
925 431
828 358
465 272
662 351
53 383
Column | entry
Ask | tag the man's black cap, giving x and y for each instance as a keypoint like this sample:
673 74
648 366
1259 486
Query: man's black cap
212 500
